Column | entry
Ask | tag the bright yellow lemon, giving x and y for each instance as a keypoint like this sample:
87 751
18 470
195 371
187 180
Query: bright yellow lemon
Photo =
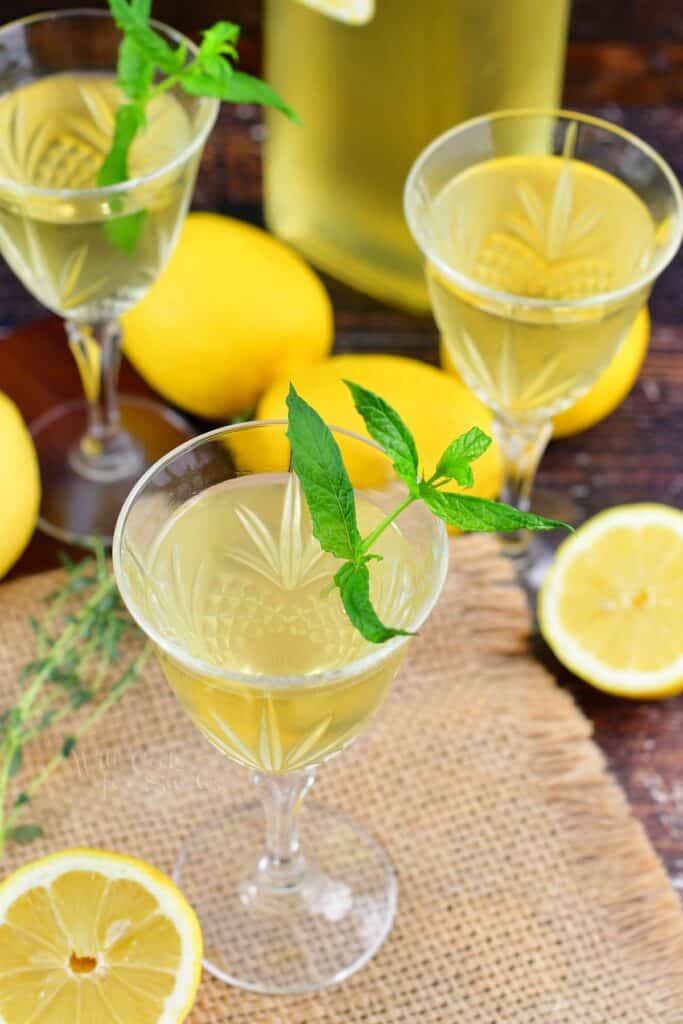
435 406
88 937
21 497
609 390
611 606
233 310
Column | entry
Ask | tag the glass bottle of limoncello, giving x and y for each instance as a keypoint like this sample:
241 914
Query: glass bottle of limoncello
372 92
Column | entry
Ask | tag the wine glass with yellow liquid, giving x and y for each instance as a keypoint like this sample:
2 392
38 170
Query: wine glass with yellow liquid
89 253
215 558
542 233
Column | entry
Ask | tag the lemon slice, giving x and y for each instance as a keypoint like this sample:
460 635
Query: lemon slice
88 937
611 606
353 12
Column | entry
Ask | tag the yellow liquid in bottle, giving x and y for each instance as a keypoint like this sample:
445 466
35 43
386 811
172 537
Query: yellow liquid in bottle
370 98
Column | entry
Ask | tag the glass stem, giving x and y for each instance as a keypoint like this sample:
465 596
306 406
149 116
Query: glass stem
522 447
282 866
105 452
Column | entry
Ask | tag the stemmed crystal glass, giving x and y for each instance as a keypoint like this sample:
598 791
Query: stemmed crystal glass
215 559
542 233
61 236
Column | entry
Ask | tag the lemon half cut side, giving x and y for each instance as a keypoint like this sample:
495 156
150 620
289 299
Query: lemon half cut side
611 606
90 937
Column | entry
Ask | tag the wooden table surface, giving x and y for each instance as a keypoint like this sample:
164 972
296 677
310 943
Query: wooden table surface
635 455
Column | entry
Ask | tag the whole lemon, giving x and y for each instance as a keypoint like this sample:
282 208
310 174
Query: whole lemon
21 496
609 390
435 406
233 310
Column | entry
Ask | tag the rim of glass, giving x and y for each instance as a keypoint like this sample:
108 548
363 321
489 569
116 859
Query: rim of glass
476 287
196 665
208 104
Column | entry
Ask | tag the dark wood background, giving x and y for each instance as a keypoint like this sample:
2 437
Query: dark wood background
643 63
625 62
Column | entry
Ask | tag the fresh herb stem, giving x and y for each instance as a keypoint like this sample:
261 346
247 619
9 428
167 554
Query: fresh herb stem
145 54
77 656
76 629
7 761
381 527
316 459
91 720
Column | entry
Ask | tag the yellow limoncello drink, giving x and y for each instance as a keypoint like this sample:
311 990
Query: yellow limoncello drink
536 227
371 96
54 135
238 583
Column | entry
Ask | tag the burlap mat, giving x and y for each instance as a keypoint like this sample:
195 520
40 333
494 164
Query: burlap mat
529 895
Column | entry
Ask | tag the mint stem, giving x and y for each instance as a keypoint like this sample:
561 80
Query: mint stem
381 527
162 87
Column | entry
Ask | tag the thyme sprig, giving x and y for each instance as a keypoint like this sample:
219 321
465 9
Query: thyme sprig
79 671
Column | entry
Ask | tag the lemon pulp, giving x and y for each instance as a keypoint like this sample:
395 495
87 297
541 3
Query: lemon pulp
612 604
93 938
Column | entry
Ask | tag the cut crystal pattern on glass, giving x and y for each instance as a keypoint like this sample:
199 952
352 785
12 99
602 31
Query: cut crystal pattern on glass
287 561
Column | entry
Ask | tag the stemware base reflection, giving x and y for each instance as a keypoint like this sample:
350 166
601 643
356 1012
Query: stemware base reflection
75 506
317 934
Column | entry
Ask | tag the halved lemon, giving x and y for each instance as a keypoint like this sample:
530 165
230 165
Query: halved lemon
89 937
611 606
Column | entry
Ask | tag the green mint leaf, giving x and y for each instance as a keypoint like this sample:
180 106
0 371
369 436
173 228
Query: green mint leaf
128 121
317 462
124 232
455 461
388 429
25 834
210 77
479 515
220 39
353 582
245 88
135 71
132 21
16 762
68 746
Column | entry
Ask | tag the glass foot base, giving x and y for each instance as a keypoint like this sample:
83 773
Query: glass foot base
75 506
307 938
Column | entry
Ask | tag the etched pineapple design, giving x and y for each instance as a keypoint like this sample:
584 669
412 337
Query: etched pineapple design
262 604
547 249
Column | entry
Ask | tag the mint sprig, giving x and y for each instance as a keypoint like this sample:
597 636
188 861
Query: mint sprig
148 65
329 494
317 461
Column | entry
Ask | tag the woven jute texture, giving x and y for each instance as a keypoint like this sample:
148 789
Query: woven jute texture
528 894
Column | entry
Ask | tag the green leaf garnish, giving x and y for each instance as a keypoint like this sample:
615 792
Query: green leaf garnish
454 464
135 72
124 232
387 428
479 515
148 65
128 120
133 20
317 461
353 582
